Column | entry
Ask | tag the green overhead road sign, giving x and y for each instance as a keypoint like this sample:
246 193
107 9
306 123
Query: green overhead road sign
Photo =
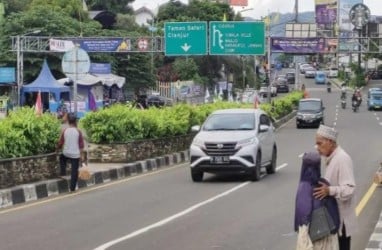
185 38
237 38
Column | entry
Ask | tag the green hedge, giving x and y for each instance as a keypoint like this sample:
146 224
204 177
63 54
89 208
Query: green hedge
120 123
22 133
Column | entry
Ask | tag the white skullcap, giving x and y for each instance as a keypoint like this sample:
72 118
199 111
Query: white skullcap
327 132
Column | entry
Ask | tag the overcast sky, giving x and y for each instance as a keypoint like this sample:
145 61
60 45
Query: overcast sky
265 6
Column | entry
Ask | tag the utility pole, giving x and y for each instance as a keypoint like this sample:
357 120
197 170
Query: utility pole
296 11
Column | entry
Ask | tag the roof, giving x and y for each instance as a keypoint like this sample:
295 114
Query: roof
45 82
144 9
310 99
238 111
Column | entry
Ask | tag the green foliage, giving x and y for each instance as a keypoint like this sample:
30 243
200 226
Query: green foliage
185 68
22 133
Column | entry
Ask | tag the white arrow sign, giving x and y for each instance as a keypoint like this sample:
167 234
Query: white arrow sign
185 47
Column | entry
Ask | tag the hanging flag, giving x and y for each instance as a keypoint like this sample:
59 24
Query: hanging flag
207 96
276 18
92 105
38 105
256 102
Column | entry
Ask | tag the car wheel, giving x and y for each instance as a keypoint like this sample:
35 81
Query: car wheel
298 126
196 175
271 169
255 171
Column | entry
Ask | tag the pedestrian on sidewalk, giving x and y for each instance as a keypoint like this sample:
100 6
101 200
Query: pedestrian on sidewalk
310 176
339 173
72 144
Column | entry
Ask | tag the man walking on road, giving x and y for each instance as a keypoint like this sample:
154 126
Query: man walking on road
339 173
72 144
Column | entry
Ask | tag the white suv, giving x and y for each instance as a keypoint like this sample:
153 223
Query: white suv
236 141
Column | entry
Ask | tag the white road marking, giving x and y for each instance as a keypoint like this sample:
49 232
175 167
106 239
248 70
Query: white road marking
380 123
169 219
301 155
175 216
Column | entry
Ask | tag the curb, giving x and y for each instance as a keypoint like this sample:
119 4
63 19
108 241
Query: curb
47 188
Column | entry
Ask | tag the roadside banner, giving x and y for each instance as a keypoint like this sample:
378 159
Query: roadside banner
298 45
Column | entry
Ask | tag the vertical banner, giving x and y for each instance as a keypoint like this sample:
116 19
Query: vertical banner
326 12
345 26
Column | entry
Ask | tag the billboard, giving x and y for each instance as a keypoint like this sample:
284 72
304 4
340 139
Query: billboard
238 2
7 75
326 11
345 24
299 45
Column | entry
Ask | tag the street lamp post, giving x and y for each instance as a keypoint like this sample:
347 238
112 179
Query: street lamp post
359 15
20 62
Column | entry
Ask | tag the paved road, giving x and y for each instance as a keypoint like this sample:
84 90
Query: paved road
166 210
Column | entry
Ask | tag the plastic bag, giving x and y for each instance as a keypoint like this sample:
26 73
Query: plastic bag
84 173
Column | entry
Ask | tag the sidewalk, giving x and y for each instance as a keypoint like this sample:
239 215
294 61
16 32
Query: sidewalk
100 173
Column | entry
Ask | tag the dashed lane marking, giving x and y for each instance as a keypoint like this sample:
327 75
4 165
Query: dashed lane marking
175 216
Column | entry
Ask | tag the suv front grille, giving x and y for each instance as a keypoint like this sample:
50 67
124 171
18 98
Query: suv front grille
220 149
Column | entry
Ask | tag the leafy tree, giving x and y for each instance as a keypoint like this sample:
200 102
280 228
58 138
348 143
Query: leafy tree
209 66
50 22
137 71
15 5
116 6
186 68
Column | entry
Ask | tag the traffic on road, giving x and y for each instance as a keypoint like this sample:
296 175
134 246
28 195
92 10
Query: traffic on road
167 210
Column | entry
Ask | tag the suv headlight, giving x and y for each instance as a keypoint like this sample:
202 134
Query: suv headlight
299 116
198 143
319 115
246 142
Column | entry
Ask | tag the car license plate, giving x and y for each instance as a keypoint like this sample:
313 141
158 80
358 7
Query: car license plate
219 159
377 106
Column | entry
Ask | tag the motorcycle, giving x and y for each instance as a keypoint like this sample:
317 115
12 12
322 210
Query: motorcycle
343 104
355 104
329 87
343 100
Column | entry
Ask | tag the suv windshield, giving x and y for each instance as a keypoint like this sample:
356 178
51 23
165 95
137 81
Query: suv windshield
376 96
309 105
230 122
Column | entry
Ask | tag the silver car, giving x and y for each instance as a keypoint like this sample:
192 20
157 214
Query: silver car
234 141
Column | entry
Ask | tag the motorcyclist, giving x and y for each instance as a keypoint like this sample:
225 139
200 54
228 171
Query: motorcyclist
357 97
343 92
328 86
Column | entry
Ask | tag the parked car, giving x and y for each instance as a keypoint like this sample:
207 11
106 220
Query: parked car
310 72
374 100
291 77
310 113
158 101
234 141
263 91
282 87
333 72
320 77
303 67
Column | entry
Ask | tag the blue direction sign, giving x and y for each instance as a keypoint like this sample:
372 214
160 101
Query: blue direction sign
185 38
237 38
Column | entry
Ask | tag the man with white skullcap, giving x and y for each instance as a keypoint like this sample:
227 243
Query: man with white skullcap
339 173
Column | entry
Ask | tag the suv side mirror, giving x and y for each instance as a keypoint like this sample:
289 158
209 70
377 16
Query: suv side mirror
263 128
